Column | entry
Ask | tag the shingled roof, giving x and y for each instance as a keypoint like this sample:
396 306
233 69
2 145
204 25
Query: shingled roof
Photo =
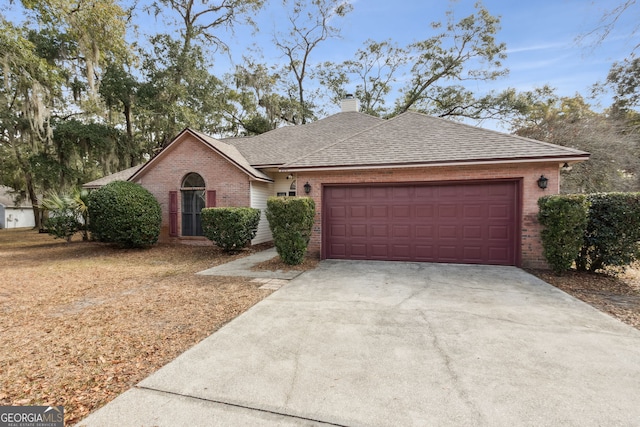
288 143
414 139
352 140
123 175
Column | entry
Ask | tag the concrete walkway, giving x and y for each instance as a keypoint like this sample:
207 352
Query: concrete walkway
242 267
400 344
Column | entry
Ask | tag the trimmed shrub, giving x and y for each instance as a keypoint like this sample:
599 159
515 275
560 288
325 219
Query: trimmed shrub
291 221
564 218
124 213
612 236
230 228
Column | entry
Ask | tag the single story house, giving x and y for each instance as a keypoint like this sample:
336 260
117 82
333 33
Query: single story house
410 188
12 214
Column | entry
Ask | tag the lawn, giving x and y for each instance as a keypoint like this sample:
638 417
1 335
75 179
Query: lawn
83 322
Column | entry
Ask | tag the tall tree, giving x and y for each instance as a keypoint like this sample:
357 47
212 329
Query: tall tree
28 87
465 50
435 70
98 29
570 121
180 91
310 23
375 67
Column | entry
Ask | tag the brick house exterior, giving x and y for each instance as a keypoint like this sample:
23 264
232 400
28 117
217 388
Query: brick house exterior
412 155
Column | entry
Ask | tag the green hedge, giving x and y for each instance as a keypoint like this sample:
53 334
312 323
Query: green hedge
612 236
230 228
564 219
291 221
124 213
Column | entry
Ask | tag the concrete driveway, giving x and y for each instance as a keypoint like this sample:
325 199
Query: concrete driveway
400 344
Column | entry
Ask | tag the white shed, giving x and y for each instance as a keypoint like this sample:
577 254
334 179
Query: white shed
14 215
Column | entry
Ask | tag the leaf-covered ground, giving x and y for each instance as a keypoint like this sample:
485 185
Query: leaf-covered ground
83 322
615 294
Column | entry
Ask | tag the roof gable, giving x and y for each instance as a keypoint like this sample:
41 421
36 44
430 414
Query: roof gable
227 151
418 139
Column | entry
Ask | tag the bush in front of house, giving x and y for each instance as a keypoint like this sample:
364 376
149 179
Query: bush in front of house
230 228
612 236
564 218
63 213
124 213
291 221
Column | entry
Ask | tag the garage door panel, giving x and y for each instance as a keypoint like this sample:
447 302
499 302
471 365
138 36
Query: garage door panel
379 193
424 232
499 212
425 211
473 253
474 222
401 211
379 251
402 193
472 232
379 211
358 250
401 252
498 232
357 193
448 211
358 230
357 212
338 230
379 231
337 212
425 192
339 250
448 232
400 231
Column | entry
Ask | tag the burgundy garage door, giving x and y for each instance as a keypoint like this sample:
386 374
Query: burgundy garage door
471 223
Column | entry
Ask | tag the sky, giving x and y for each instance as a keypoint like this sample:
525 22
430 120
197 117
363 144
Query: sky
540 37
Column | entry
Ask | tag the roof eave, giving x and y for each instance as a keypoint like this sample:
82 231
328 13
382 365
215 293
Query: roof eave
475 162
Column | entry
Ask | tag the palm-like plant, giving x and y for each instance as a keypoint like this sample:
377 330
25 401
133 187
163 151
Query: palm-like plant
65 211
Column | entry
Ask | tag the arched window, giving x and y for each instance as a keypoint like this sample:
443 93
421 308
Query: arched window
193 200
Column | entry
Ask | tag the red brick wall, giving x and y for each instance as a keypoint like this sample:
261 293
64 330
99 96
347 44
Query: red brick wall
531 249
190 155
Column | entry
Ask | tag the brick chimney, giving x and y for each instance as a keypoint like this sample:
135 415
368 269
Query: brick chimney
350 103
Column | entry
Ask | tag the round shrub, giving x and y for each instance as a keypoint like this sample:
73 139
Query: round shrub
124 213
230 228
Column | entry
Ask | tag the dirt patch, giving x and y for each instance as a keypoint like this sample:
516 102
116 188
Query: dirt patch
617 295
276 264
83 322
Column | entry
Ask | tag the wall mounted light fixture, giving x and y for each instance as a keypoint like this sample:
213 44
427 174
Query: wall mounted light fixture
307 188
543 181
